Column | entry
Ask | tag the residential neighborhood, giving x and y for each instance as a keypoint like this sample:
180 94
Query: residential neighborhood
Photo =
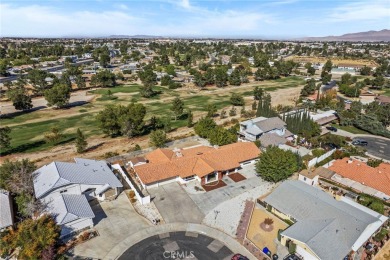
205 130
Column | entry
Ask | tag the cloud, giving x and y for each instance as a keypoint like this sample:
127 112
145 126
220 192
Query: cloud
122 6
361 11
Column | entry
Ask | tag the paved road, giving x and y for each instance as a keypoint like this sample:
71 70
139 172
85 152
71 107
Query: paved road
178 245
377 146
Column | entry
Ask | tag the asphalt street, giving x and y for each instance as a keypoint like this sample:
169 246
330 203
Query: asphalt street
377 146
178 245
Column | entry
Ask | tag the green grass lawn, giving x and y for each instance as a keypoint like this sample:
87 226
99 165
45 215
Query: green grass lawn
30 137
350 129
386 93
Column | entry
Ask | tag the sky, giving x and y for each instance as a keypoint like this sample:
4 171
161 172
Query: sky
275 19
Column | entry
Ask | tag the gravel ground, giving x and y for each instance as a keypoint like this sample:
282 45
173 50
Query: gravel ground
226 216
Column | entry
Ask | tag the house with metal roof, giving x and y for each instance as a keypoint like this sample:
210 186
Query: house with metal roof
270 131
324 227
66 189
6 211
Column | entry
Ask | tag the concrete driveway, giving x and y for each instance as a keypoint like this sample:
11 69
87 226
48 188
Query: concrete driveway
207 201
114 221
175 205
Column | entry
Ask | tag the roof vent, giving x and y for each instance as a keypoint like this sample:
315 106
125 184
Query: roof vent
349 161
199 153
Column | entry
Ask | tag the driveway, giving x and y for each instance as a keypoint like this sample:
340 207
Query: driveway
114 221
377 146
207 201
175 205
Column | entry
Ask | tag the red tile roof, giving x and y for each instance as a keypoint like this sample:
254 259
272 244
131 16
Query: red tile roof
377 178
202 160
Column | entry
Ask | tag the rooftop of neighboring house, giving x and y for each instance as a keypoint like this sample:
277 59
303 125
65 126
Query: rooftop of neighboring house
201 160
320 171
6 213
261 125
83 171
383 99
330 228
377 178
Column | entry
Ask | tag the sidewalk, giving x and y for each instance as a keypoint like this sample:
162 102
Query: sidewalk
231 243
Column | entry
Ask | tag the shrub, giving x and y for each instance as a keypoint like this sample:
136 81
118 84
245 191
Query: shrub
318 152
110 154
374 162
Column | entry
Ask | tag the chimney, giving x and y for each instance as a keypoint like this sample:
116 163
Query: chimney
349 161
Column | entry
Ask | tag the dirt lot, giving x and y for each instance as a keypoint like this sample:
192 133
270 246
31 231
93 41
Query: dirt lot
335 61
384 253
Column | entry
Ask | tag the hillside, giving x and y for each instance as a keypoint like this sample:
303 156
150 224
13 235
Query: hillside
370 36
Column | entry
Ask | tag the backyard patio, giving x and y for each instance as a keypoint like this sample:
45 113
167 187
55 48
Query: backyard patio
263 229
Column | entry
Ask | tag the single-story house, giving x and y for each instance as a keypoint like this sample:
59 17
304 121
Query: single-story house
203 163
270 131
66 188
361 177
323 118
6 210
382 100
312 176
324 227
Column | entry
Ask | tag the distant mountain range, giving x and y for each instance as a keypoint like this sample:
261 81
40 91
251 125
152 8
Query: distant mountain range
370 36
135 36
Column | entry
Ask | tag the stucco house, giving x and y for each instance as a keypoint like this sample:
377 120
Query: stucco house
324 227
66 189
202 163
270 131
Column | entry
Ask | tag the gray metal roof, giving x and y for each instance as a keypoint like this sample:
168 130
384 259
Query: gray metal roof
70 207
84 171
328 226
270 124
260 125
6 214
268 139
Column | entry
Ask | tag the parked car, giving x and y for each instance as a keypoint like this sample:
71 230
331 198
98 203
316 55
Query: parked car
360 142
346 101
331 128
330 146
239 257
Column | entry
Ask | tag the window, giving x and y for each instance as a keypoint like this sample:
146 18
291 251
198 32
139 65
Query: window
63 191
304 178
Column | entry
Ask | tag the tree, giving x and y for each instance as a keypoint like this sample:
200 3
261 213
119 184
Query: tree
108 120
32 238
158 138
233 111
276 164
81 142
221 136
235 78
54 135
38 80
190 118
58 95
220 77
204 126
20 99
104 78
237 99
327 66
177 107
254 105
166 80
366 71
311 71
104 60
5 138
258 93
211 110
147 91
17 177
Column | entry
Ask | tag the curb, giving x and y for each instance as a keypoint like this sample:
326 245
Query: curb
230 242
